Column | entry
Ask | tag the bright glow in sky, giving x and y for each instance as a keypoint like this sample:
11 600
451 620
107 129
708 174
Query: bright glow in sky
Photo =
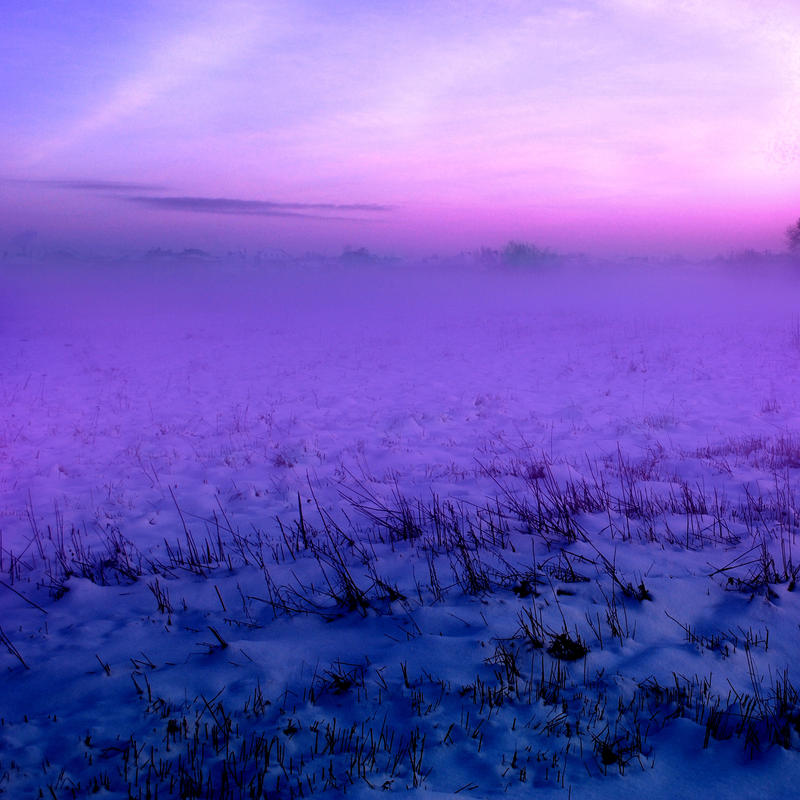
405 126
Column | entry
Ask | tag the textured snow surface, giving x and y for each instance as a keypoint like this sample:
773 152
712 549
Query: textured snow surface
293 526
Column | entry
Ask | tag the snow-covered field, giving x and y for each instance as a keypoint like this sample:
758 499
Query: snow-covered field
304 529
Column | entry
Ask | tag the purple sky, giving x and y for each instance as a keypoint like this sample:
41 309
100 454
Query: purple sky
610 126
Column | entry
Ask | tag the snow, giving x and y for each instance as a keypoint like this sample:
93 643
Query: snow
284 523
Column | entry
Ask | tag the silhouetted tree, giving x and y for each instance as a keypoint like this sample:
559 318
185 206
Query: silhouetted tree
793 237
525 253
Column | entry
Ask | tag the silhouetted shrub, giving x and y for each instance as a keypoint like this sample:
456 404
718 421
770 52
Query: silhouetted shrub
360 254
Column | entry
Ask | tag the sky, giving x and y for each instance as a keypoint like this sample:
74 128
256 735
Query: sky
408 127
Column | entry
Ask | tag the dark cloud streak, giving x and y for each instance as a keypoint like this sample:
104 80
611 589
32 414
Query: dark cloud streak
82 185
265 208
230 205
132 192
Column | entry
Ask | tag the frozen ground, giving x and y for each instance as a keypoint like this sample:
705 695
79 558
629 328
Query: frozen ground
309 528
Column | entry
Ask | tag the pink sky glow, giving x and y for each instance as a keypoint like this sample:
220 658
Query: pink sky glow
606 126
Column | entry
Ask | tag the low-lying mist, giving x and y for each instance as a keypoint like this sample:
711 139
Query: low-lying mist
145 293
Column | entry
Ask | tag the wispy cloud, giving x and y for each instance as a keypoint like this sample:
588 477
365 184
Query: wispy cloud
266 208
177 60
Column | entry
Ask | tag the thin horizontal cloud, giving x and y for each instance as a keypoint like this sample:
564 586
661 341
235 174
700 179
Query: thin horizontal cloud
89 185
267 208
